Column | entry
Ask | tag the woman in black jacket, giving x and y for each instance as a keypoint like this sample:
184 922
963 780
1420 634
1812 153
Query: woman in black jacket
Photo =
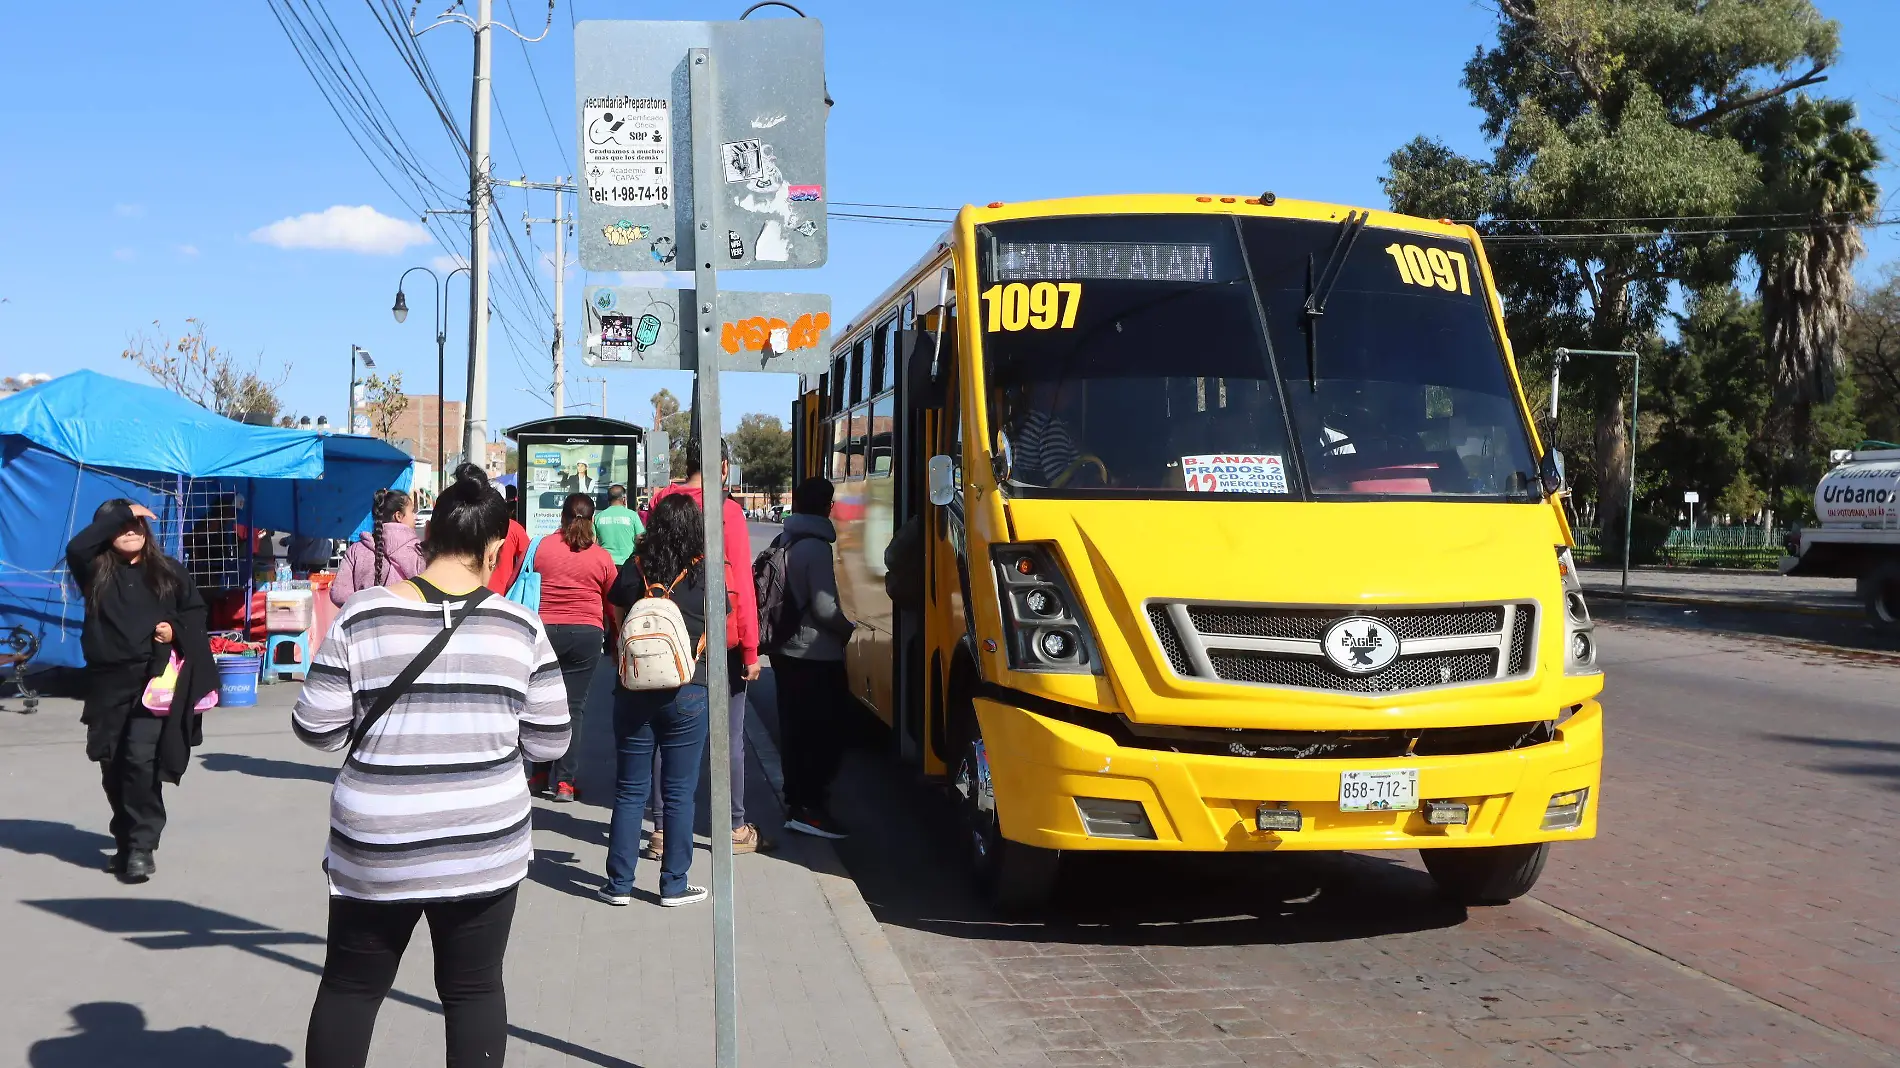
141 606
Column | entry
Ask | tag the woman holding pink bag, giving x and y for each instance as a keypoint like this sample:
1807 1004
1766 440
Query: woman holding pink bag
141 610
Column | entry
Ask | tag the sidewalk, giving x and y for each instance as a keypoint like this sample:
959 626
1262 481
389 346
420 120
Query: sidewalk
1754 590
215 961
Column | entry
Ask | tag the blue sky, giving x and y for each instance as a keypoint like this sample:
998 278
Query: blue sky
142 155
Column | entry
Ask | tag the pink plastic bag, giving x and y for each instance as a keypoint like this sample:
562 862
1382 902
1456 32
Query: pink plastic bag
158 692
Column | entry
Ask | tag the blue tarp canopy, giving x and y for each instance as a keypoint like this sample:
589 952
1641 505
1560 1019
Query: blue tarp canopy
336 505
103 421
73 443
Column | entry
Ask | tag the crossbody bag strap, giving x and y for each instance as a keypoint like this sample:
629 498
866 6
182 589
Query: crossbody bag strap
407 678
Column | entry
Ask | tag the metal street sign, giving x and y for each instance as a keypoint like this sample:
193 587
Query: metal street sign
636 327
702 147
637 156
1691 497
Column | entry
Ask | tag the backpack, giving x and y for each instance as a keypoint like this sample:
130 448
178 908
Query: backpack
526 589
654 644
779 614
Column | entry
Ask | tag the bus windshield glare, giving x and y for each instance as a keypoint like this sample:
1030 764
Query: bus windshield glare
1156 355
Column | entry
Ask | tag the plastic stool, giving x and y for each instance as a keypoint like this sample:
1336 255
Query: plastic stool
278 672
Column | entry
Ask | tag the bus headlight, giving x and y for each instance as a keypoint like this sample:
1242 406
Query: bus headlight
1043 620
1580 640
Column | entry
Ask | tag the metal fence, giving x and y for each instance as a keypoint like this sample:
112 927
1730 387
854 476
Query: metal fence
1745 547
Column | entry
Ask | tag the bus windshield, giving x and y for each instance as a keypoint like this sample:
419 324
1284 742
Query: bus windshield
1157 355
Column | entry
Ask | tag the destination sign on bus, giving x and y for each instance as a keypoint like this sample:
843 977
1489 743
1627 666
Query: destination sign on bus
1120 261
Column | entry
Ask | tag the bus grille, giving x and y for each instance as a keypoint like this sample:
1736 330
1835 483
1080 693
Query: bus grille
1281 646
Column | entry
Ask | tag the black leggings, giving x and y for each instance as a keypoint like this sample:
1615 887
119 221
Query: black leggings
366 943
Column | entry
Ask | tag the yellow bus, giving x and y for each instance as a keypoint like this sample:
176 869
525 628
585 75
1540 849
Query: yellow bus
1236 535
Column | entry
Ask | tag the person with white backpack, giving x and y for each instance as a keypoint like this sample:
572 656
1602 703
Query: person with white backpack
660 699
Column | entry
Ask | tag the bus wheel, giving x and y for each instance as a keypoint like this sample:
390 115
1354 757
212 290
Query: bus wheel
1486 875
1013 876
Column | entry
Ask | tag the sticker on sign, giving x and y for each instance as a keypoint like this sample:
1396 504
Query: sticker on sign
625 150
1234 473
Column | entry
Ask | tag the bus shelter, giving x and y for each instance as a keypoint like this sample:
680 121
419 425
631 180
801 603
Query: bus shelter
573 454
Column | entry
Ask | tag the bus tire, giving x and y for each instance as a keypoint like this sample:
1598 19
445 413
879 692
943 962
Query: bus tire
1879 589
1486 875
1013 877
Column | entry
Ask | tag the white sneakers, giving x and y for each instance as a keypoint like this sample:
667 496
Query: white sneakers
692 895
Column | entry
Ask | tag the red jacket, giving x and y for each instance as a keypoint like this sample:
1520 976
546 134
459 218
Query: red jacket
742 626
508 566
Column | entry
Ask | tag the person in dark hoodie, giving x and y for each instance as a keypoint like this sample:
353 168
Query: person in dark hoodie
809 666
390 551
141 607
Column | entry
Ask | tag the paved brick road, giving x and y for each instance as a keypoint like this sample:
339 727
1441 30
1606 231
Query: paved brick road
1739 909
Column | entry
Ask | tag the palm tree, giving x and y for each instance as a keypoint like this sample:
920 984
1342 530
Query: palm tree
1816 178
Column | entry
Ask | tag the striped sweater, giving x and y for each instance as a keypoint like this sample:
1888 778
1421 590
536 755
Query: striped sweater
434 804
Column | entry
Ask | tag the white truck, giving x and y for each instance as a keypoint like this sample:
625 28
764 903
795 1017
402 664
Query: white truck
1858 503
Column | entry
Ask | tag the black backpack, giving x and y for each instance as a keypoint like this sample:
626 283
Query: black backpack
779 614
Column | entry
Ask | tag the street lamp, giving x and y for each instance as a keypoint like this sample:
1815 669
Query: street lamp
355 351
1636 382
401 312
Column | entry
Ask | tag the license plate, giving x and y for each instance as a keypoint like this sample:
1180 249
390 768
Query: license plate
1378 791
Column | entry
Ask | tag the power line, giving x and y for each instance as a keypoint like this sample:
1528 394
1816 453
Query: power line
559 151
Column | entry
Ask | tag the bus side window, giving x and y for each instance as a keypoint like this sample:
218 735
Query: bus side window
840 446
860 355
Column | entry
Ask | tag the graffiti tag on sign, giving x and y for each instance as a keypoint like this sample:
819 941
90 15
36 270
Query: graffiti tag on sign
752 335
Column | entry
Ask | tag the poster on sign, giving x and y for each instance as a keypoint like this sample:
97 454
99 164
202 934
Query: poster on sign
1234 473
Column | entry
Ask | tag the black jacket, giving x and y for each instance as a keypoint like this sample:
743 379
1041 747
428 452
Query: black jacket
121 653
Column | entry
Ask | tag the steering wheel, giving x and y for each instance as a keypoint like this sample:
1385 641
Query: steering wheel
1086 459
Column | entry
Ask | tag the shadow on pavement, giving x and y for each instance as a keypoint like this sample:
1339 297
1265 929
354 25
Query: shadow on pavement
905 855
1889 770
113 1034
61 841
266 767
161 924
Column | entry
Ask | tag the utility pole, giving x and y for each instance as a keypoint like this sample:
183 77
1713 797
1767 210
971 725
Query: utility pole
475 432
561 222
480 198
603 392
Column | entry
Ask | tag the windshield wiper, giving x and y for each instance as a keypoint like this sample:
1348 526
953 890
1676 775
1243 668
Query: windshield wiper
1320 286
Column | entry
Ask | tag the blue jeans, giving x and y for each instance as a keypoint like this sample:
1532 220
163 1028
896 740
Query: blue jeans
673 722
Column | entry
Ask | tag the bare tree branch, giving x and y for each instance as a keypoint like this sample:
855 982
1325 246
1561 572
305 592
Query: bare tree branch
1742 103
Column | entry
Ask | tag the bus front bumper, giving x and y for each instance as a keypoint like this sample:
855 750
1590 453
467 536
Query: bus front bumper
1044 770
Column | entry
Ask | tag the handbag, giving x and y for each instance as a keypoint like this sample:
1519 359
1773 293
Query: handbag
526 588
161 687
408 676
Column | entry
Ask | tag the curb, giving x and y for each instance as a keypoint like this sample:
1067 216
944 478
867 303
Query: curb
911 1027
1733 605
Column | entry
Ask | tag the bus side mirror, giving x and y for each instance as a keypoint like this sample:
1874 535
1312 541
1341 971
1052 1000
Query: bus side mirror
941 478
1551 472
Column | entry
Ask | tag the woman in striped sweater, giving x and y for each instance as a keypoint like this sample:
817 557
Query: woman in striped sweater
430 812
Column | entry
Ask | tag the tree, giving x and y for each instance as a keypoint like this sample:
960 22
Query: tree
678 425
762 448
1622 129
195 369
1871 341
384 401
1816 174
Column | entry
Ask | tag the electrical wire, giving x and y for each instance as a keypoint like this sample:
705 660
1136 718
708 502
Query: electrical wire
560 151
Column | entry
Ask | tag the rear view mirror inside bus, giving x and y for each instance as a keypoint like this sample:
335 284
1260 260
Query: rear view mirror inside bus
942 480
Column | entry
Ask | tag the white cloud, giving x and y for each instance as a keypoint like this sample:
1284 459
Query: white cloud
125 255
345 229
445 264
189 252
128 211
